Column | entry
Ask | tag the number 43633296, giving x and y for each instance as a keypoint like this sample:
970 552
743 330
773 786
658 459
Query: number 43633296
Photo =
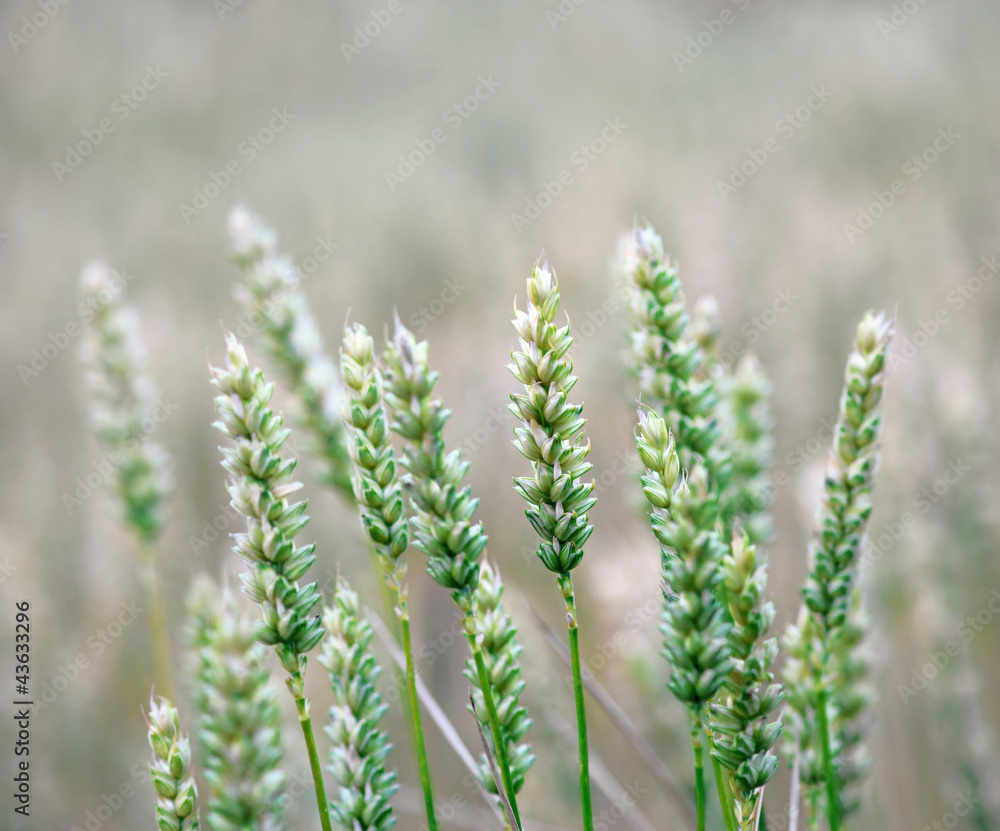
22 644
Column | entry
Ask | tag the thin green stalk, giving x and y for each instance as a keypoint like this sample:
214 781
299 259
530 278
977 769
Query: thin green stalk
720 785
158 631
302 705
418 729
699 771
498 741
581 714
832 797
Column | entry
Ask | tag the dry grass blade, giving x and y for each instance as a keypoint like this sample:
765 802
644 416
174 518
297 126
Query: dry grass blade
428 700
497 779
657 767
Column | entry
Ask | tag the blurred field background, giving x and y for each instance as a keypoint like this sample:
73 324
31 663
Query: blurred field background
441 247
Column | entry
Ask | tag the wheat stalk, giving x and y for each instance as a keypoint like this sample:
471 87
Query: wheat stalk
744 737
443 525
830 586
239 725
500 655
123 403
260 484
171 769
359 749
550 438
271 293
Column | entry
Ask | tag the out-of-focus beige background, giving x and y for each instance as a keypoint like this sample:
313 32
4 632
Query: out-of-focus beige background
643 109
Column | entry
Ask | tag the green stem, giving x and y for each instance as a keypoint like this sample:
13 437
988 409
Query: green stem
699 770
586 804
302 705
158 631
720 786
498 740
832 797
418 729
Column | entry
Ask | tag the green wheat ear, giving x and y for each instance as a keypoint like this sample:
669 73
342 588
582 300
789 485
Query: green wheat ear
747 427
239 726
550 437
260 483
123 402
124 409
171 769
695 633
827 645
500 653
743 735
276 307
359 752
